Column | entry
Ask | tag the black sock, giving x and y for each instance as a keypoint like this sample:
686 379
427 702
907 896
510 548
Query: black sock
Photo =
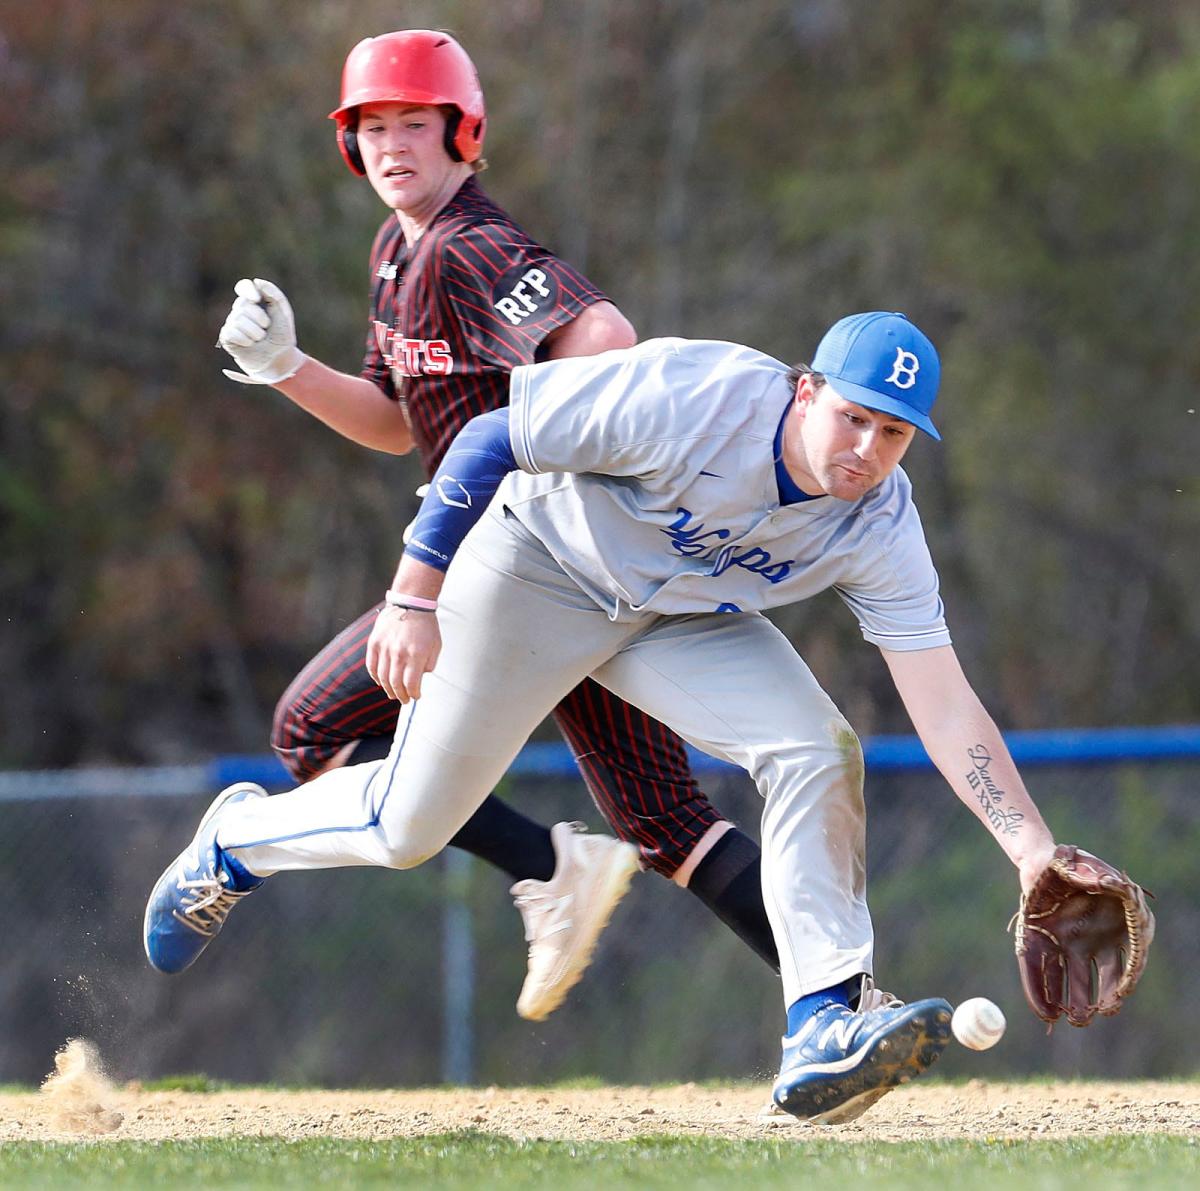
373 748
495 832
506 838
727 881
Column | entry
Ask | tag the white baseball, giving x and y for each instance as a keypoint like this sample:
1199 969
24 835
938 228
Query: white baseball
978 1023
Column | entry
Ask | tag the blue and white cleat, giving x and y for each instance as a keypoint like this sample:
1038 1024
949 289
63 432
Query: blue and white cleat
191 900
842 1061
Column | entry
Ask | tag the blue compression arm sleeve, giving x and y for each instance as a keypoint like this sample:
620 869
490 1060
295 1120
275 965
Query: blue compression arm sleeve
480 456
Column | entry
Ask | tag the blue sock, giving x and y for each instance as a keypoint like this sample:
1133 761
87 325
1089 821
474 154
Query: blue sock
241 878
800 1011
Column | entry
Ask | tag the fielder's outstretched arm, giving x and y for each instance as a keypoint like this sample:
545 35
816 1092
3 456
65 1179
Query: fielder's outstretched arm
964 743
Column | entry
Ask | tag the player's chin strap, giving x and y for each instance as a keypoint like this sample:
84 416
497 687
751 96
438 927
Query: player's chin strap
480 456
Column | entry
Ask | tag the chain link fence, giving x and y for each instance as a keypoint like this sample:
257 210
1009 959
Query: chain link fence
365 977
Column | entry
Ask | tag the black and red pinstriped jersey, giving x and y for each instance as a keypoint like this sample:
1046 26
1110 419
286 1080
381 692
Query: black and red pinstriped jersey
451 318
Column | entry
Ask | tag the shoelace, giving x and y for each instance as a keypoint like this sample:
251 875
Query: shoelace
209 906
875 998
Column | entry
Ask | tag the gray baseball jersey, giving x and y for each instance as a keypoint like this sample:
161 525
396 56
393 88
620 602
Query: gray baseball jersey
648 489
649 475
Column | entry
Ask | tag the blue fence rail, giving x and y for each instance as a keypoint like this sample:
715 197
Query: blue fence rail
1067 746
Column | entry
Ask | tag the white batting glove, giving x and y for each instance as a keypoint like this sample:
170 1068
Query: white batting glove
260 334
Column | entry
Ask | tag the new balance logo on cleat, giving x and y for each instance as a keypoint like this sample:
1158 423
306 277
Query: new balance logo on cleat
839 1035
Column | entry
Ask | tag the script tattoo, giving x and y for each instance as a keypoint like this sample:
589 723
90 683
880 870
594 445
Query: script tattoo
991 797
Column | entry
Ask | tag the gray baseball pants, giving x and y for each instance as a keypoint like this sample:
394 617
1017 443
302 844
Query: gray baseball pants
518 634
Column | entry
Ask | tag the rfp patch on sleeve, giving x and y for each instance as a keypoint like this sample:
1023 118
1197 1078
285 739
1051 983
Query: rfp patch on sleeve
526 294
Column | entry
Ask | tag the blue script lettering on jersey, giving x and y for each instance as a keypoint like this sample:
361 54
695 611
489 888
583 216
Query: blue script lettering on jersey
694 541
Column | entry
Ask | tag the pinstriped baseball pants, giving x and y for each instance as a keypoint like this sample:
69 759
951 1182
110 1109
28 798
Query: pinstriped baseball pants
517 635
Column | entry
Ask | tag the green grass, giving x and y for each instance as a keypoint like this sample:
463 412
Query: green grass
484 1161
188 1083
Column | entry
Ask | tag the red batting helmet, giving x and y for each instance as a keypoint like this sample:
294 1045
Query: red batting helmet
418 66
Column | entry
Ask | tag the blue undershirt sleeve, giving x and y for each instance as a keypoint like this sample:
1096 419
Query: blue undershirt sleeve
480 456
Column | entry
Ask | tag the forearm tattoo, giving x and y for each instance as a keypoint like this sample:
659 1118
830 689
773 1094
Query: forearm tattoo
991 797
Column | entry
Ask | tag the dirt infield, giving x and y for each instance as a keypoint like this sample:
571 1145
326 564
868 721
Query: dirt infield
933 1110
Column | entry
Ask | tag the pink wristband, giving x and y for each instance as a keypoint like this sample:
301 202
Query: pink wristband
397 599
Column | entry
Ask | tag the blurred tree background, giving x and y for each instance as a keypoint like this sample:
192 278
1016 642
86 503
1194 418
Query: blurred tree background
1019 176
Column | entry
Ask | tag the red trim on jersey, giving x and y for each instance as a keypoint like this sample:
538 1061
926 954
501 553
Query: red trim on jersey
445 291
635 769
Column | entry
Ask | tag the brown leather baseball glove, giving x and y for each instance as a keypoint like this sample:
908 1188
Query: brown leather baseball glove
1082 935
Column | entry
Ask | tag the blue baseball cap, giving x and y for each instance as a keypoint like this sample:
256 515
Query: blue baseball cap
882 361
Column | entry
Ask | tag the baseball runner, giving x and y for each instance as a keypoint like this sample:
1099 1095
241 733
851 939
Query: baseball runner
460 295
650 503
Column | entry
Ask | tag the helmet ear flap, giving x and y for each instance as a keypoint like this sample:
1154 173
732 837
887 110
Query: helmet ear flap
347 139
468 134
450 133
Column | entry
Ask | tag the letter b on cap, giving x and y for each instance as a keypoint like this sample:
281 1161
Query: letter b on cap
904 370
